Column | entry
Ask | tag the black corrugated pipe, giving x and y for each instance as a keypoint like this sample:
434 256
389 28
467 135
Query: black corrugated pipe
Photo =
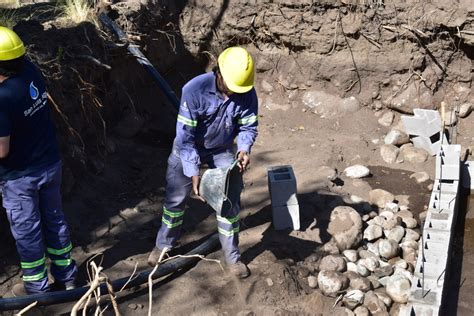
50 298
133 49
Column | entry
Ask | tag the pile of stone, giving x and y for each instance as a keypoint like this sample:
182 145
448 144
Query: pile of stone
372 257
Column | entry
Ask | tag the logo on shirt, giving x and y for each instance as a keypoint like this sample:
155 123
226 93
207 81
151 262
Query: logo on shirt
34 92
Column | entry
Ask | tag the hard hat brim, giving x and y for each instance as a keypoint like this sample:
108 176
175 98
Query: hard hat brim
13 53
239 89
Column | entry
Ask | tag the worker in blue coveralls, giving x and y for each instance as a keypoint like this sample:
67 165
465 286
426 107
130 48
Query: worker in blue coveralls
216 108
30 172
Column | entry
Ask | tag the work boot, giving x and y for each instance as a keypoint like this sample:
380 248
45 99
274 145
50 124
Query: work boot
155 256
239 270
19 290
63 286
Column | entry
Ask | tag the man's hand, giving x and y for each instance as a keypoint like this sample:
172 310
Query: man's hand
196 180
244 160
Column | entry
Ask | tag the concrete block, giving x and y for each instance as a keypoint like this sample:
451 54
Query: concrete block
431 270
282 185
427 144
467 175
286 216
447 172
442 201
426 297
430 283
436 235
443 185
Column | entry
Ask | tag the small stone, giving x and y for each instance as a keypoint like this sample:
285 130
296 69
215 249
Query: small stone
389 153
352 267
365 217
357 172
388 248
384 297
269 281
345 226
374 304
360 283
374 281
373 214
380 197
362 270
391 223
398 288
370 263
396 137
386 215
410 234
350 254
330 247
333 263
392 207
325 173
386 119
331 282
422 216
398 262
377 220
465 109
373 232
361 311
396 234
353 298
410 244
409 255
312 281
364 254
420 176
373 248
410 222
407 274
414 155
383 271
405 214
132 306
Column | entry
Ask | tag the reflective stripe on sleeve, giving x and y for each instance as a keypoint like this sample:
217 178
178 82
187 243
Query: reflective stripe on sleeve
230 220
187 121
33 264
248 120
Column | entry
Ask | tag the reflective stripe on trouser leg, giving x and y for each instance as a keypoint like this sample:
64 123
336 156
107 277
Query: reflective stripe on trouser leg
55 229
178 187
20 199
228 228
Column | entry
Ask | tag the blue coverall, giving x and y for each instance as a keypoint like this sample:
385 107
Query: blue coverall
30 181
206 127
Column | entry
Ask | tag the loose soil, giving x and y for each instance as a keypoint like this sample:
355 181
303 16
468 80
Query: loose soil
116 132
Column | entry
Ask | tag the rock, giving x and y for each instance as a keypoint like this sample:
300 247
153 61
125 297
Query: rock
391 207
373 248
331 282
352 267
420 176
383 281
410 222
384 297
330 247
362 270
387 119
409 244
398 262
270 281
398 288
370 263
404 272
373 232
356 171
353 298
465 109
132 306
396 137
350 254
405 214
389 153
386 215
364 254
410 234
345 227
409 255
374 304
377 220
414 155
422 216
312 281
350 105
380 197
388 248
391 223
333 263
360 283
383 271
374 281
396 233
266 86
361 311
328 105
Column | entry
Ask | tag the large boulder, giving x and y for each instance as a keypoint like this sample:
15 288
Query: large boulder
331 282
345 227
398 288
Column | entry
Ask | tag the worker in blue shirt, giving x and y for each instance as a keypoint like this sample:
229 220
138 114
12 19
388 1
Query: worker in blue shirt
30 172
216 108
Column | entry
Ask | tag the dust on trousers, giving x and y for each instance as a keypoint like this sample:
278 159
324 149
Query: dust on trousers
34 209
178 187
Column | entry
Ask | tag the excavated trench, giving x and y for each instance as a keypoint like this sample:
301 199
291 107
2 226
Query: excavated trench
116 130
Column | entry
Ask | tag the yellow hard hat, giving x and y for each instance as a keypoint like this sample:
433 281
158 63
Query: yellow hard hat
11 46
236 67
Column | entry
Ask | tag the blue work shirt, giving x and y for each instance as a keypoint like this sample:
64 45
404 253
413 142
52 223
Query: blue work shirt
207 121
25 117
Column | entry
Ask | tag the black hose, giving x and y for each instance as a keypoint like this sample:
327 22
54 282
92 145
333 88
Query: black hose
16 303
133 49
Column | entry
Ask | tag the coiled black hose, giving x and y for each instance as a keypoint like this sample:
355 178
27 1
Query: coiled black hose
50 298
